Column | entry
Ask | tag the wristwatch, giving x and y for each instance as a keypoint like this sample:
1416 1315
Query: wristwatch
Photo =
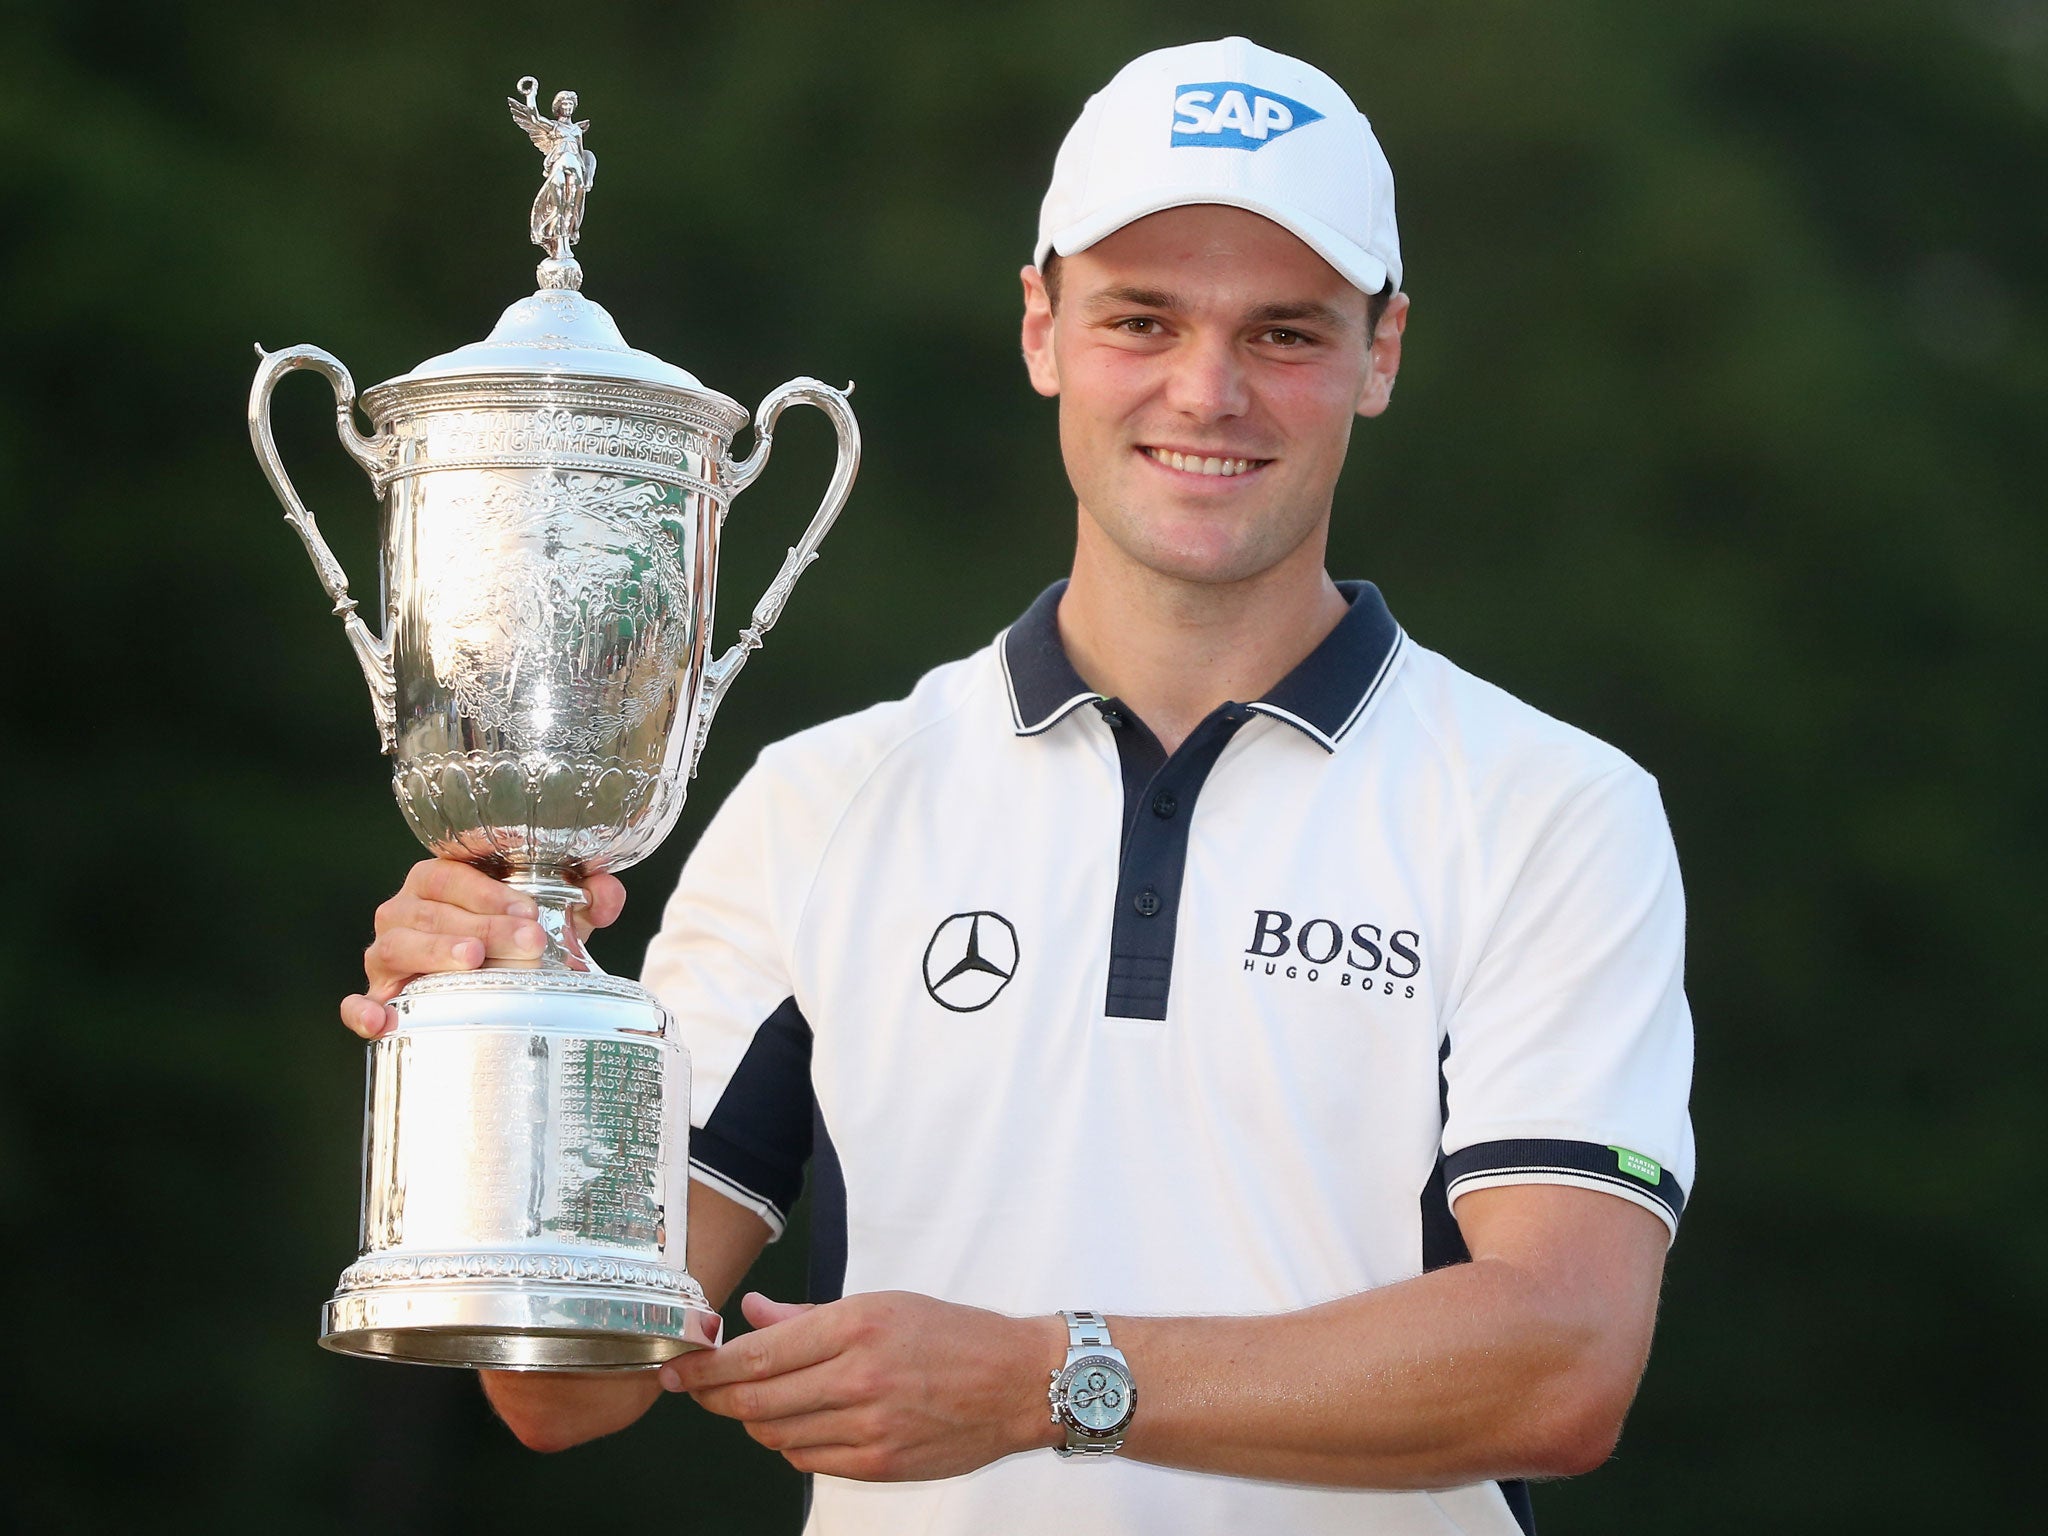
1092 1394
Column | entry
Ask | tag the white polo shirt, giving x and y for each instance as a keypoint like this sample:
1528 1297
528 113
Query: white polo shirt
1055 1020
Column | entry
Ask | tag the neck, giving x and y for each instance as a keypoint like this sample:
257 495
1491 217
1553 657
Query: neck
1174 649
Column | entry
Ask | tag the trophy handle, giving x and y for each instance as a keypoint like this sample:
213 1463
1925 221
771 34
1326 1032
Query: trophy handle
373 453
718 674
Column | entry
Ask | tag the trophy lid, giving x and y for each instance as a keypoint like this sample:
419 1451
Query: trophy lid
557 332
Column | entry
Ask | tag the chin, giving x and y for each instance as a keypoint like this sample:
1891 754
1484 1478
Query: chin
1201 563
1206 546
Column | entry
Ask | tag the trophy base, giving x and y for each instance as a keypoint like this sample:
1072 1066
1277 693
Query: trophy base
525 1183
499 1328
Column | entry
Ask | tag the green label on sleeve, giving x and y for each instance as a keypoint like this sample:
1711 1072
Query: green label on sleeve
1648 1169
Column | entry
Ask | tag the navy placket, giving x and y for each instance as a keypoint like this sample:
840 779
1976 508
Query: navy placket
1159 808
1322 698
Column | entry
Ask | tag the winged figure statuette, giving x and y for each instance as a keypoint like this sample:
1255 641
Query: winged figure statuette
557 220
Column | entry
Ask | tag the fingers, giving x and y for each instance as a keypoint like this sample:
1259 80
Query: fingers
763 1311
464 885
851 1443
448 916
772 1350
840 1442
814 1390
835 1427
366 1016
607 898
451 916
400 954
501 937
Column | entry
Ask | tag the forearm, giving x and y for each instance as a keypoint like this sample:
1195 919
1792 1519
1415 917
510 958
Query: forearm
1455 1377
1521 1363
552 1410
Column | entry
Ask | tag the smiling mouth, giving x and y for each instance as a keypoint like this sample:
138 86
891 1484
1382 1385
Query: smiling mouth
1203 464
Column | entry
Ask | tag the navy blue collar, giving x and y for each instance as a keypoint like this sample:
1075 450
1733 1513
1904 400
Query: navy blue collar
1323 697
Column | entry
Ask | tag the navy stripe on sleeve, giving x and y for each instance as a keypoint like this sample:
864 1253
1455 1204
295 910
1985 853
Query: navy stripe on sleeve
758 1136
1581 1160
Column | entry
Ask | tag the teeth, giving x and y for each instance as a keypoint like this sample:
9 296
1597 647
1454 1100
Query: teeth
1195 464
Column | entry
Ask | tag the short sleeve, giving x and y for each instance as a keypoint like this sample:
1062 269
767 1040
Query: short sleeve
1568 1055
720 965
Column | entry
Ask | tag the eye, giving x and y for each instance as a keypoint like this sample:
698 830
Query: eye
1280 336
1138 325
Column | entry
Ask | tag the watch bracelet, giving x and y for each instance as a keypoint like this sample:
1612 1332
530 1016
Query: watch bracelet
1088 1334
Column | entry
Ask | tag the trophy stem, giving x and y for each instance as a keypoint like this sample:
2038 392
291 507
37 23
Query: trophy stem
557 899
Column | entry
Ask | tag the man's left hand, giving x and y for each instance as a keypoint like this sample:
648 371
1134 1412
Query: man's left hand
885 1387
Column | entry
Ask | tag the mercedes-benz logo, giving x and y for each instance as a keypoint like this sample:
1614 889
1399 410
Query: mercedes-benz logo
970 959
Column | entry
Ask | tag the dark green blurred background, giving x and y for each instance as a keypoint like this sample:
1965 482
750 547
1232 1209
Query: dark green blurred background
1719 434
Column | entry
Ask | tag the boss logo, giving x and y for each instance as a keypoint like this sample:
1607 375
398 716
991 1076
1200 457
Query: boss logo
1229 114
1322 950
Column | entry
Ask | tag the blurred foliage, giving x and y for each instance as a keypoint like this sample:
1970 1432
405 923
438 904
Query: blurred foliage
1719 434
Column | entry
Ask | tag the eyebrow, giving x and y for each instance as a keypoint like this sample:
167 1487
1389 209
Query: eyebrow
1276 313
1301 309
1125 297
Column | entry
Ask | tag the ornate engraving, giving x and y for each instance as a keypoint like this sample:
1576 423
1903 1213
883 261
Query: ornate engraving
776 598
645 469
444 795
555 430
708 414
586 984
574 635
561 436
457 1268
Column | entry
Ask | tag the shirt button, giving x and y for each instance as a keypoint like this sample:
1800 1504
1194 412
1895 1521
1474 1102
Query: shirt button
1146 902
1163 803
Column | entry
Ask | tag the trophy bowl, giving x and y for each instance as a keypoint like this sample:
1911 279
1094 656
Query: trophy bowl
543 683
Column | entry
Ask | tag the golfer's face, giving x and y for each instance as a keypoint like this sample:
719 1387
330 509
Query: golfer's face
1209 365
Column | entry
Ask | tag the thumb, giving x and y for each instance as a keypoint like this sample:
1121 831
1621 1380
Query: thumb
762 1311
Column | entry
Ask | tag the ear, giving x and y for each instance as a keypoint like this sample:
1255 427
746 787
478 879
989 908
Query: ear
1383 361
1041 362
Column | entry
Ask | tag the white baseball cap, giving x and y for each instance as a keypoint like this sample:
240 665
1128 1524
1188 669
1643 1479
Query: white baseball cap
1227 122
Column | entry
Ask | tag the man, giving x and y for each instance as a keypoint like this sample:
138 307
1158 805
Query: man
1204 961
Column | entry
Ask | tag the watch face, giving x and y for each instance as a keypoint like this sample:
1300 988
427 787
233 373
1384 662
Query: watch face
1098 1393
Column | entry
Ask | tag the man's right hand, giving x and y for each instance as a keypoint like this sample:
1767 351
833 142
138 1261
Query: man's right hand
451 916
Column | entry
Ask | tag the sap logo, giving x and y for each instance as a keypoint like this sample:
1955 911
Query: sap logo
1372 960
1228 114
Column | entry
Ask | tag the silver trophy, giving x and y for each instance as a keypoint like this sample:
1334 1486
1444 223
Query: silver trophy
543 685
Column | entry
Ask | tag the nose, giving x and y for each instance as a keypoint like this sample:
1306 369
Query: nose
1208 381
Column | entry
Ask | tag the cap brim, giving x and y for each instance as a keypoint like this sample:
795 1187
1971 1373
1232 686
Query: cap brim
1361 268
